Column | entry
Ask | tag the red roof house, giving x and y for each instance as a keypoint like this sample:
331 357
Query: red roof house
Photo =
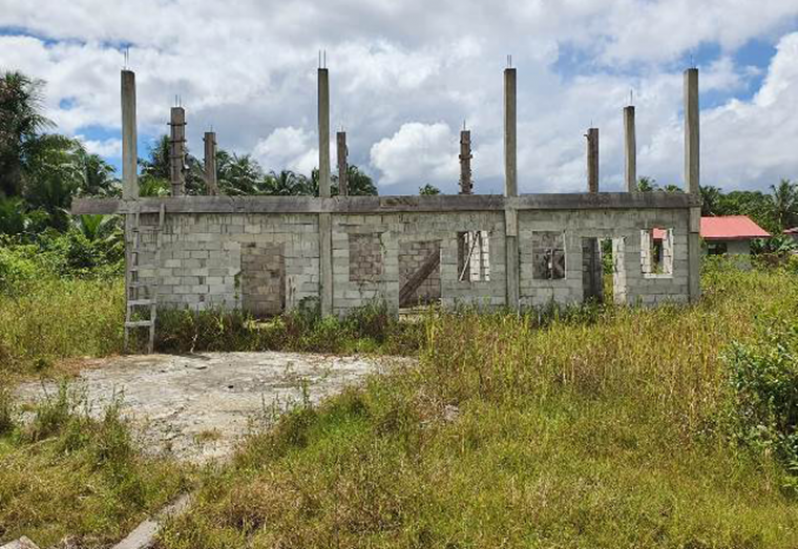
730 234
731 227
726 234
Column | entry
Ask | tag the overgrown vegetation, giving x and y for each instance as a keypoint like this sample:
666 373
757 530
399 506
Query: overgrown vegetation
764 378
370 329
56 319
616 429
66 477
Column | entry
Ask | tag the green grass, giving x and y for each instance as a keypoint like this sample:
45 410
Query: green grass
66 475
52 319
602 427
609 429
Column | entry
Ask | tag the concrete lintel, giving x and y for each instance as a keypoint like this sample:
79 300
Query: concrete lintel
387 204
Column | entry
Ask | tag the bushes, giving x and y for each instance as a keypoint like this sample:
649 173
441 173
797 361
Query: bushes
367 329
83 253
764 380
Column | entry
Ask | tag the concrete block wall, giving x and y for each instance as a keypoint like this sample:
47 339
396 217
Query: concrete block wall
398 230
623 227
267 262
199 264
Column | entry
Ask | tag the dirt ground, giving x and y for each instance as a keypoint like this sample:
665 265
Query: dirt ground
197 407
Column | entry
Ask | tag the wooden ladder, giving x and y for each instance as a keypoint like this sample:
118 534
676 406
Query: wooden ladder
134 301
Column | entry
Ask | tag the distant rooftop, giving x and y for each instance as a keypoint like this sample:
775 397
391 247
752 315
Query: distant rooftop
731 227
728 227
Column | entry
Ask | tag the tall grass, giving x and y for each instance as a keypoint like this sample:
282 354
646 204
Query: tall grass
67 478
51 319
607 430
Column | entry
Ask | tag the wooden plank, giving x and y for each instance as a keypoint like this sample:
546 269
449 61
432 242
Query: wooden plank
415 280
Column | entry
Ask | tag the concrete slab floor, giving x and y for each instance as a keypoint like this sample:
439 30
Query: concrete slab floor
198 407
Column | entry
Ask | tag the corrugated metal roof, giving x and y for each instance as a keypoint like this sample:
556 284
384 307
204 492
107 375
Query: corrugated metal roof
794 230
731 227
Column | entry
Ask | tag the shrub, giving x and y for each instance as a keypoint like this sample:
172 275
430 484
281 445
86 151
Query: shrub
764 380
15 269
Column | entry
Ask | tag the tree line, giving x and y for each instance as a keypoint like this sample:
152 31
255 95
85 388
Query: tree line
774 211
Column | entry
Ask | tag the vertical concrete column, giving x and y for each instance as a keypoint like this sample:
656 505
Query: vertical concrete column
594 278
692 178
177 151
325 219
324 133
130 180
593 160
510 125
343 166
464 239
210 163
512 264
466 185
630 148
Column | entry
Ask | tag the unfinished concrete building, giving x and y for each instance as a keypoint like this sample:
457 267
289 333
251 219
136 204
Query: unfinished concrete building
270 254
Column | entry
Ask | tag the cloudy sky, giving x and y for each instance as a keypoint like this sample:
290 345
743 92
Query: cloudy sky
405 75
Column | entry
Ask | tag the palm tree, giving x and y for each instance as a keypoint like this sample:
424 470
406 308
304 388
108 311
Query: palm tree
238 175
783 204
647 184
710 200
287 183
21 122
428 190
360 184
97 175
157 165
52 176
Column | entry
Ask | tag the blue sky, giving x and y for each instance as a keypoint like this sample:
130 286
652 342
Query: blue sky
406 75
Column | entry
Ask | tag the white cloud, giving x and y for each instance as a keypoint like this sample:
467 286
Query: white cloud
288 148
418 152
108 148
405 75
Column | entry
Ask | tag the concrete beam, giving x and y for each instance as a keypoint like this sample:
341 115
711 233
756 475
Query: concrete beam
324 133
177 151
343 166
592 160
210 163
630 149
130 181
389 204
